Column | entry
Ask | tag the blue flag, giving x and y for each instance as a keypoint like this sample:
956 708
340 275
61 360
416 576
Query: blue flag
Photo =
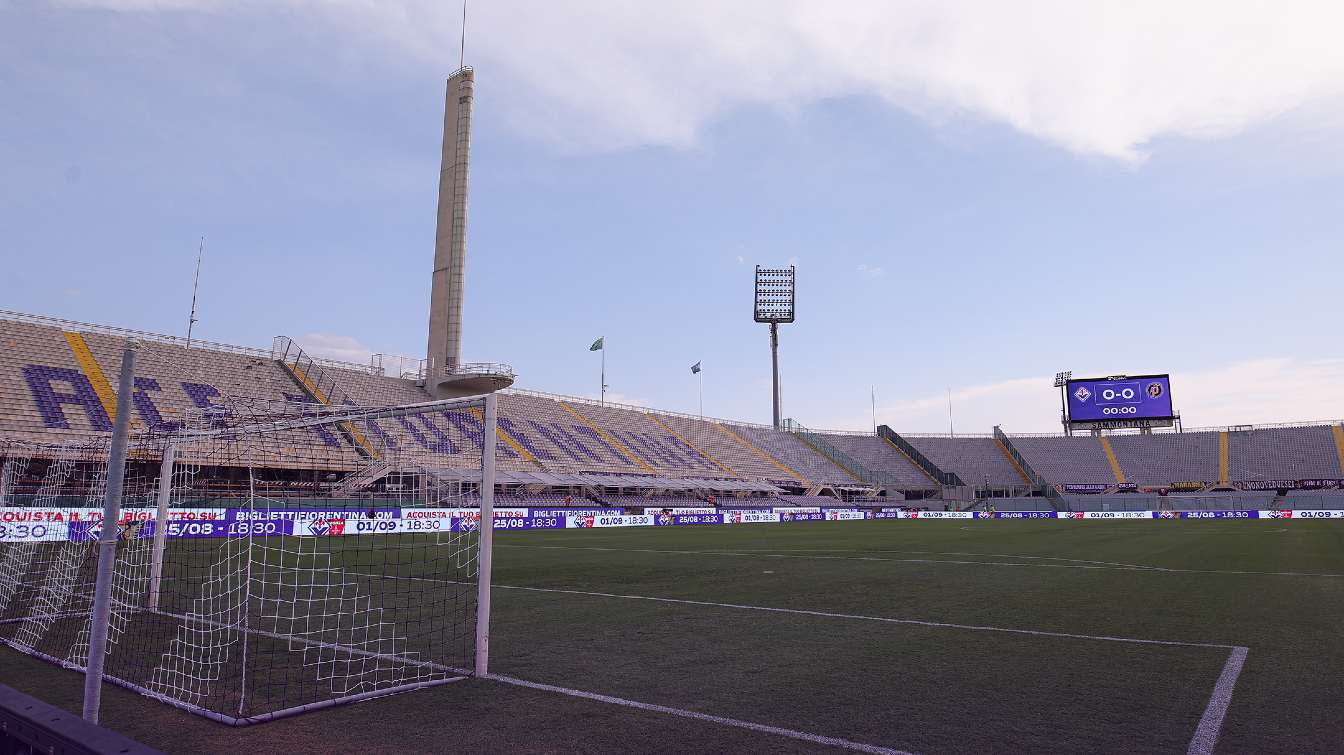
695 368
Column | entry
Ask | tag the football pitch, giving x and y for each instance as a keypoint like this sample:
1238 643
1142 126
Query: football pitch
879 636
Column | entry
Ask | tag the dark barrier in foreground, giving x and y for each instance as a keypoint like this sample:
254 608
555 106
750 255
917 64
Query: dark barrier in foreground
28 725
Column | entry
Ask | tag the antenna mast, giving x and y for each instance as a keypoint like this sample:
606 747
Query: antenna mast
462 47
195 282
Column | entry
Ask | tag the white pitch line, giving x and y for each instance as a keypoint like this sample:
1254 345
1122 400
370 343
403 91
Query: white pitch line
763 728
833 615
863 617
1097 567
1211 723
1206 735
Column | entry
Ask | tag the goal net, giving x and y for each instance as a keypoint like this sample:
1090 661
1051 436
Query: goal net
270 558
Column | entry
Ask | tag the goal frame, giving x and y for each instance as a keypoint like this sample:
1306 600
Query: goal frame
171 444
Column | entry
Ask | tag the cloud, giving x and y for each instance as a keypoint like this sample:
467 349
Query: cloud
1021 405
331 346
1261 391
1258 391
1093 77
871 271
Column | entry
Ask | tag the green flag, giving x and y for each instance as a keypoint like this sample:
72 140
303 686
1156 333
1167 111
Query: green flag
597 345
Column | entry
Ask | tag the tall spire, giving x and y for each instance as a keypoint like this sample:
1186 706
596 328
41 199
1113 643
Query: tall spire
450 241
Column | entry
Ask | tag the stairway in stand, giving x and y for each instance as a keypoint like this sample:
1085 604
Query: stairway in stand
320 385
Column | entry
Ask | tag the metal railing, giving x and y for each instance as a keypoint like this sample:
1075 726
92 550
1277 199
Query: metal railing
290 354
322 385
1051 493
632 407
923 462
478 368
378 364
144 335
825 448
283 347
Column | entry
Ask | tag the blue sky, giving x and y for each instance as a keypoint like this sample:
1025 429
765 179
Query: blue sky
973 203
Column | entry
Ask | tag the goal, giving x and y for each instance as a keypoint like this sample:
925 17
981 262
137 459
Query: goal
269 560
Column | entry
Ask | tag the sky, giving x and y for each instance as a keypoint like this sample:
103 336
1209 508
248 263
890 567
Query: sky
976 195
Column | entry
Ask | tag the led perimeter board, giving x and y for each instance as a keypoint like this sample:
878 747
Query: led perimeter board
1120 401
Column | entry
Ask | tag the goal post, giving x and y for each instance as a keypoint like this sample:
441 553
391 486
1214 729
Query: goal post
268 560
485 559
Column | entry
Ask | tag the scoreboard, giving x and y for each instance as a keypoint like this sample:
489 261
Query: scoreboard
1120 401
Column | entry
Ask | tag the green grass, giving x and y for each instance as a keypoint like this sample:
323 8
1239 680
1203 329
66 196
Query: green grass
911 687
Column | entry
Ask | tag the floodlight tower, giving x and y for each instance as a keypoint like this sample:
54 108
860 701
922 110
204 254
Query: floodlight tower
1062 382
774 305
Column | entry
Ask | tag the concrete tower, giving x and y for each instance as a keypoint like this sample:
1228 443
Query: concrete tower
450 239
447 375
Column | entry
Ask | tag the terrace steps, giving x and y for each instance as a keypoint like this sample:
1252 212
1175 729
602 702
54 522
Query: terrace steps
691 445
1338 432
1026 479
89 366
834 457
1112 460
608 437
508 438
913 463
1224 455
779 464
325 397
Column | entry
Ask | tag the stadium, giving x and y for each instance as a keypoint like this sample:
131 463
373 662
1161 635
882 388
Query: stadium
314 555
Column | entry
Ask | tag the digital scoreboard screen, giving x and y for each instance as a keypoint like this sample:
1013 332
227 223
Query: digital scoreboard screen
1145 397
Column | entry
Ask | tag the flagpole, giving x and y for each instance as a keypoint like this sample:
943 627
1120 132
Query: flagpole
702 392
602 400
195 283
950 431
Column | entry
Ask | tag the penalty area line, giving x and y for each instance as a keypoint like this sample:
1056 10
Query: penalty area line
1211 723
1202 743
696 716
825 614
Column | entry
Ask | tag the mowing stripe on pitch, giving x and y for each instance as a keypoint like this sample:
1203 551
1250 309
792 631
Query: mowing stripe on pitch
763 728
1210 723
1206 735
763 554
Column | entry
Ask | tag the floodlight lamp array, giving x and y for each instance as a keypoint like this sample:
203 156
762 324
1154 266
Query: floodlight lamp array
774 294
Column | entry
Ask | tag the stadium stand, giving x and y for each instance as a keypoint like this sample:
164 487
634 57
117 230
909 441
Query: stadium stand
727 447
797 455
642 440
808 500
639 502
977 460
1166 458
1276 453
880 456
1066 460
1315 499
1154 502
56 376
1019 504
